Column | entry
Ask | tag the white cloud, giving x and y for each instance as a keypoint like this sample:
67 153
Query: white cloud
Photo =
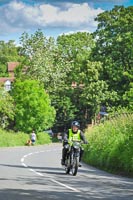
17 16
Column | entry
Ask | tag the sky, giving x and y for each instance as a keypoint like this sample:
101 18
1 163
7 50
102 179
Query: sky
53 17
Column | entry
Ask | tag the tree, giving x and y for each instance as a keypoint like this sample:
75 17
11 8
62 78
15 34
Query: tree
33 109
44 62
114 39
8 52
76 48
90 91
128 95
65 109
6 109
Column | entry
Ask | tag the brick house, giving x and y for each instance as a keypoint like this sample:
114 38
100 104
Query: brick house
11 67
7 81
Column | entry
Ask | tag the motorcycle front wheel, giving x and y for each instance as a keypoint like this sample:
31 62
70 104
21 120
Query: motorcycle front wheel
75 165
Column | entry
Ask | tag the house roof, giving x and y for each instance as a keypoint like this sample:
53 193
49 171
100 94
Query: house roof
12 66
4 79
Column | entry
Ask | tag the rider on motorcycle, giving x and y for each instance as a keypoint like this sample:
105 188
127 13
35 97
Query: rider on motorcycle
76 134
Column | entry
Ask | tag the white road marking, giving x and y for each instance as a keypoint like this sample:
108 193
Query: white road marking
22 160
64 185
32 170
39 174
24 165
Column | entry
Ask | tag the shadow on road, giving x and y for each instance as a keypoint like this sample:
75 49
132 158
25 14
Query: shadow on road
23 194
91 185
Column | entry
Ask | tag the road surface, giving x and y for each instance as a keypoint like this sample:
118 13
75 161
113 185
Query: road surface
35 173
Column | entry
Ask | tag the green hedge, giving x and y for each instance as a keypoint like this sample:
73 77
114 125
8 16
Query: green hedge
111 145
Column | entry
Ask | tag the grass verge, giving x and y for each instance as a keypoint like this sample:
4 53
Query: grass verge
111 145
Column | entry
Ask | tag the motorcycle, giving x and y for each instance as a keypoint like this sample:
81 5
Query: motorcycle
72 157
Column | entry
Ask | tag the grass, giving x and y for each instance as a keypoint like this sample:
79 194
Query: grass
111 145
10 138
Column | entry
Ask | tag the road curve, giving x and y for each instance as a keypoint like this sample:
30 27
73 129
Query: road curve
35 173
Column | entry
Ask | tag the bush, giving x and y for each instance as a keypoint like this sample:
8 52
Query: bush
11 138
43 138
110 145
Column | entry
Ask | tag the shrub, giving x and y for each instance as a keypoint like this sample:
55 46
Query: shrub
110 145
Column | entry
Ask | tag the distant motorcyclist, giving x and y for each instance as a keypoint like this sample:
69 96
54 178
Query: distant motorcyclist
74 133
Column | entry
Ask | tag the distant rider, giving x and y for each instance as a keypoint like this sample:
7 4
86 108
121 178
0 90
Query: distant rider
76 134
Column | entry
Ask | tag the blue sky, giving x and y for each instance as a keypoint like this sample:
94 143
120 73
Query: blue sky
53 17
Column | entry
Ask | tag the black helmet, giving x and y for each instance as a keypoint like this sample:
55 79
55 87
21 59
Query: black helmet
75 123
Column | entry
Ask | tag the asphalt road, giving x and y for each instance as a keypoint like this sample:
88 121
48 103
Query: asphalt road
35 173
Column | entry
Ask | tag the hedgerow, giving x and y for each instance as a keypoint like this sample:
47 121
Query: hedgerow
111 145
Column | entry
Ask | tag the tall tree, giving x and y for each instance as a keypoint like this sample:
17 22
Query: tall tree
44 61
114 48
76 48
89 91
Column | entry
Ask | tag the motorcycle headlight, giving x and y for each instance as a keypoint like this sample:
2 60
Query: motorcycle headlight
66 146
76 145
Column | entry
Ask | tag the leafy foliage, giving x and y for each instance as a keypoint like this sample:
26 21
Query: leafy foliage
114 39
128 96
32 106
77 48
99 65
65 109
110 145
43 138
43 60
8 52
6 108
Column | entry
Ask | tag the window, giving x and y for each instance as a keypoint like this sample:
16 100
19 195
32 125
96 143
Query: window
7 85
